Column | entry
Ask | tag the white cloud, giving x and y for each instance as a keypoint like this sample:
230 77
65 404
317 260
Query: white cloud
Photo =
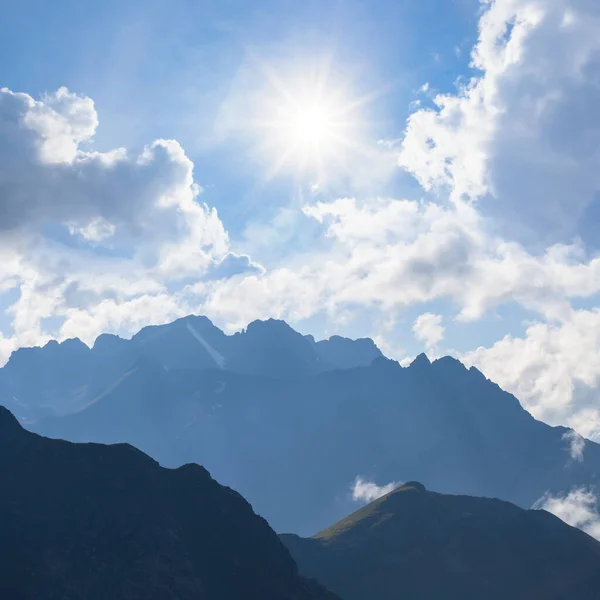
576 444
95 231
521 142
110 315
428 328
142 207
58 124
554 370
387 254
46 177
366 491
524 131
579 508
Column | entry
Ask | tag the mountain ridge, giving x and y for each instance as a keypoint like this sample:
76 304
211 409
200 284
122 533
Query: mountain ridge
61 378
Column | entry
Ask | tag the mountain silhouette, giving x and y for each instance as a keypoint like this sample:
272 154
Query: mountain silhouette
420 545
289 419
89 521
63 378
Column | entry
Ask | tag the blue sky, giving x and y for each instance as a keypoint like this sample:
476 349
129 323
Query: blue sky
424 173
156 69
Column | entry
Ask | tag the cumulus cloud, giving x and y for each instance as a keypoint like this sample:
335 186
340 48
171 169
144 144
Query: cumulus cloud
233 264
523 132
45 176
579 508
519 142
141 208
388 253
576 444
428 328
554 369
401 252
366 491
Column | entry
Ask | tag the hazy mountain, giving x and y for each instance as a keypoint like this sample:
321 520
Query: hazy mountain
88 521
49 380
343 353
63 378
294 445
421 545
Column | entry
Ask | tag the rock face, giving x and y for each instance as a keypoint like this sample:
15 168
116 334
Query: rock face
421 545
88 521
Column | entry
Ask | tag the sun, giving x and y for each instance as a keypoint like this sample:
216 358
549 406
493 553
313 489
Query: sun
308 129
309 124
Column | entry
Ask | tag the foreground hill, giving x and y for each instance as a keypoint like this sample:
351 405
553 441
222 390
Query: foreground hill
421 545
87 521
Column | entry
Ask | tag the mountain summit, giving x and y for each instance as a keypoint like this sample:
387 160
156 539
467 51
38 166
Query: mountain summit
417 544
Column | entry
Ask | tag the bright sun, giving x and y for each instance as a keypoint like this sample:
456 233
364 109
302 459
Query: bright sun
308 125
308 128
311 123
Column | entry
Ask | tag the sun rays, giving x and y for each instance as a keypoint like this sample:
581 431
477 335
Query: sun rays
309 124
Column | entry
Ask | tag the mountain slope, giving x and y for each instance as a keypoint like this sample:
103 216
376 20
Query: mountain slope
86 521
309 438
421 545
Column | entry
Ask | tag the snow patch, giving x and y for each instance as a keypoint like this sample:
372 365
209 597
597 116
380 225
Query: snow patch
217 357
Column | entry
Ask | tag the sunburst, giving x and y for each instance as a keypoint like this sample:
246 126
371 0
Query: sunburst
309 124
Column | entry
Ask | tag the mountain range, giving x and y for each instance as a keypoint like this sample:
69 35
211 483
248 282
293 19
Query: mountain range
421 545
62 378
93 522
290 422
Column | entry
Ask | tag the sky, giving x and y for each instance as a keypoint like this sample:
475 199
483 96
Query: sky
423 173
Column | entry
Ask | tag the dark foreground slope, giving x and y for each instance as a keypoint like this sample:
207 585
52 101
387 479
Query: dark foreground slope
421 545
86 521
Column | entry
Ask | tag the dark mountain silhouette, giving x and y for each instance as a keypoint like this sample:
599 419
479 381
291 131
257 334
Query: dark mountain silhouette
88 521
63 378
422 545
294 445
